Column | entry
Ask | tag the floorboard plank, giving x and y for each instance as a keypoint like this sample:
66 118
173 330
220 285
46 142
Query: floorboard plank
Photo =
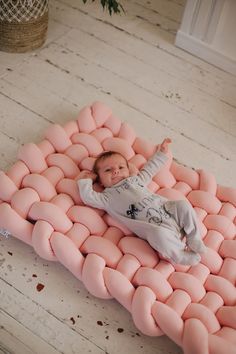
168 58
15 338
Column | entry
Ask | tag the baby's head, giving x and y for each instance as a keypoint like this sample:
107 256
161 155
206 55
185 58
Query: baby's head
111 167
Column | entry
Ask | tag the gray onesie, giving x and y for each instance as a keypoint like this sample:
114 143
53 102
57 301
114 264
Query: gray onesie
150 216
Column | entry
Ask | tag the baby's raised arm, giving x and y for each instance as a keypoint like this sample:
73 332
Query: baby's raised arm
155 163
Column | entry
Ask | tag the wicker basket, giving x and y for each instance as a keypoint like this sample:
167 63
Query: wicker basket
23 24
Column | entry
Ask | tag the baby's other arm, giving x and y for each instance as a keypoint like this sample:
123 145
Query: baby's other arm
88 195
87 174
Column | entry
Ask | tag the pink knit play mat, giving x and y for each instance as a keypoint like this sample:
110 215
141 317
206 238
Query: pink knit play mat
40 205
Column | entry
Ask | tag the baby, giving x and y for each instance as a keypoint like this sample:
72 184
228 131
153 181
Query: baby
150 216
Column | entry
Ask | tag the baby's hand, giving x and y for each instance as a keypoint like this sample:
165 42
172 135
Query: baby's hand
163 147
133 170
87 174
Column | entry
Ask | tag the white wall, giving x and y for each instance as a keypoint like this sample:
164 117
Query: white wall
208 30
225 36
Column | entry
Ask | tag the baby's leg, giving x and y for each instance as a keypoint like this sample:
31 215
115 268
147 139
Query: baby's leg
186 218
170 246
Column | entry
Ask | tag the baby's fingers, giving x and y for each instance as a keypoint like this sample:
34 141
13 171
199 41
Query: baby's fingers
164 145
166 141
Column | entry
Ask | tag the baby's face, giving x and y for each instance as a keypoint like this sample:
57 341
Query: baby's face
112 170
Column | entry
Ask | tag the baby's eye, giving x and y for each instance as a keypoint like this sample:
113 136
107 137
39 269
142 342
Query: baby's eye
107 170
121 167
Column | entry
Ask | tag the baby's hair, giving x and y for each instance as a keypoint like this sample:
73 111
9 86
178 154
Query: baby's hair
102 157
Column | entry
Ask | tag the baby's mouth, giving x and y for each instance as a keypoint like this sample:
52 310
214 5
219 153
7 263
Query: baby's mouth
116 178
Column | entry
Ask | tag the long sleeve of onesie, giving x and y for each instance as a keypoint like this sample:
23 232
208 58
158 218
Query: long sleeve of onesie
151 167
89 195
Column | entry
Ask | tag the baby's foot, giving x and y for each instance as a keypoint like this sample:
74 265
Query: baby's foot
196 245
187 258
195 259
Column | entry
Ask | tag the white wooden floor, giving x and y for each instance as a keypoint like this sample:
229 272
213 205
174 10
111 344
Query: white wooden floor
130 63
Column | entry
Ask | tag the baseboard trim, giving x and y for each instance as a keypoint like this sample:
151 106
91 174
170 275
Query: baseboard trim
205 51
